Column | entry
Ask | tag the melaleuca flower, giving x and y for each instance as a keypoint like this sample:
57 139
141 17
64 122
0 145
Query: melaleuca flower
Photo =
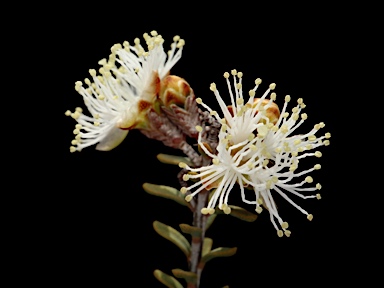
119 98
258 151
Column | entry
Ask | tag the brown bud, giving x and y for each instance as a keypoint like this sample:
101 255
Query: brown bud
174 90
273 112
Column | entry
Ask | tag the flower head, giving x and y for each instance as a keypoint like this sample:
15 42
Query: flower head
257 150
127 87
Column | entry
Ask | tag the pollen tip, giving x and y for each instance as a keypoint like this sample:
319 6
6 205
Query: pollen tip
310 217
318 154
280 233
183 190
287 98
308 179
182 165
199 128
227 210
185 177
92 72
240 101
204 211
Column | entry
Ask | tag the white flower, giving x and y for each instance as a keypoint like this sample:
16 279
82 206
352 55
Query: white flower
257 150
126 88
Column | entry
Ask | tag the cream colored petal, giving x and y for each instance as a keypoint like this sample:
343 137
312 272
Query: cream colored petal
112 140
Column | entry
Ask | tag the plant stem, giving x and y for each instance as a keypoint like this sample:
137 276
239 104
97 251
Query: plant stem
199 220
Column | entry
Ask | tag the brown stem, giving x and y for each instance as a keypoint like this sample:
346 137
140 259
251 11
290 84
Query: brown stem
199 220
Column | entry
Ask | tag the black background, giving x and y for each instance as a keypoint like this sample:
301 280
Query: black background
106 233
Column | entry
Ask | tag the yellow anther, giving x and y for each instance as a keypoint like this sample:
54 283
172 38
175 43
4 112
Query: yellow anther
308 179
185 177
287 98
182 165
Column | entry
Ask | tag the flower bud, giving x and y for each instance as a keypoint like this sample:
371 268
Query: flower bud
174 90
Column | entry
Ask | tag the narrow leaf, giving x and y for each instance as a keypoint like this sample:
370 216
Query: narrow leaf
240 213
210 221
192 230
207 246
167 280
174 160
166 192
174 236
219 252
190 277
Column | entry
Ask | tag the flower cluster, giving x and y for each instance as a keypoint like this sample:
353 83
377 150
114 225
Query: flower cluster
118 99
258 150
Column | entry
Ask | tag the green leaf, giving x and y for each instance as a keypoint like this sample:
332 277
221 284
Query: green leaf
192 230
167 280
174 236
207 246
210 221
219 252
166 192
174 160
190 277
240 213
